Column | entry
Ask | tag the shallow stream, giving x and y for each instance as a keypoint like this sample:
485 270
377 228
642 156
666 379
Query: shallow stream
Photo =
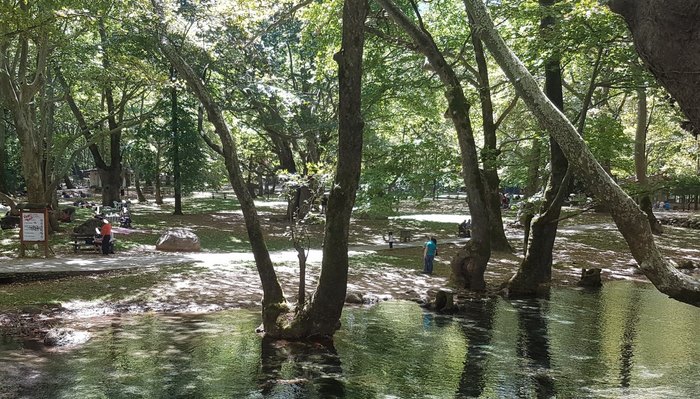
625 340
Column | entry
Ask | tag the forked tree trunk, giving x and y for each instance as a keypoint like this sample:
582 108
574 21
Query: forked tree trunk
535 271
322 316
490 152
629 218
273 303
469 269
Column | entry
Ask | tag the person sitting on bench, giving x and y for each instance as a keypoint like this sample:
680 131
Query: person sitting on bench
465 228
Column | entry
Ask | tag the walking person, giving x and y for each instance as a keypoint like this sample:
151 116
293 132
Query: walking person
429 252
390 239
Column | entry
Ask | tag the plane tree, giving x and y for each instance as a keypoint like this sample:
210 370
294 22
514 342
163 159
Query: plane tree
629 218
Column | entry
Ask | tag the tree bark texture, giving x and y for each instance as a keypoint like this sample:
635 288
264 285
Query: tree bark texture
273 303
666 35
535 271
458 107
322 317
628 217
18 89
111 174
490 152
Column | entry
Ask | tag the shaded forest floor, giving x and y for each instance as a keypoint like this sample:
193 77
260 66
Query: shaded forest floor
224 276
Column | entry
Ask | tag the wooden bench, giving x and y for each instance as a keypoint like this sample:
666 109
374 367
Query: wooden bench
90 242
83 242
405 235
220 194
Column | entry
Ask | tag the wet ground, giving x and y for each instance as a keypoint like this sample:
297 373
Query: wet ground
72 289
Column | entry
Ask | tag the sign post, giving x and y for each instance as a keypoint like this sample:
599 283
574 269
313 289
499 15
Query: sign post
34 229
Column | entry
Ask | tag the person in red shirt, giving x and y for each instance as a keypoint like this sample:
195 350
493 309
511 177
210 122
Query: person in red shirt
106 232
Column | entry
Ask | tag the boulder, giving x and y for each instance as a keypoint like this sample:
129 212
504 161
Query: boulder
354 297
178 240
88 227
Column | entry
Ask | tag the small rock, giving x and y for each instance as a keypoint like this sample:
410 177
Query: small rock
590 278
686 265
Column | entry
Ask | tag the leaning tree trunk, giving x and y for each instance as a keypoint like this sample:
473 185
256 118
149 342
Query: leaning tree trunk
535 271
629 218
273 303
469 265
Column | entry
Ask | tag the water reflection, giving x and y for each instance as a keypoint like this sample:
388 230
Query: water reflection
477 328
623 341
629 334
533 346
300 370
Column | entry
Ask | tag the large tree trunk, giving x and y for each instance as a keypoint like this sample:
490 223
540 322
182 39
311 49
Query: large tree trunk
640 161
19 84
469 270
273 303
629 218
322 316
111 174
665 33
535 271
490 152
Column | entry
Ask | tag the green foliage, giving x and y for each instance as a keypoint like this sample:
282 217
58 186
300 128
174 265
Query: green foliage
606 139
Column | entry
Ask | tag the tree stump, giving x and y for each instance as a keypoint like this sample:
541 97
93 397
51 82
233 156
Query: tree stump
445 301
590 278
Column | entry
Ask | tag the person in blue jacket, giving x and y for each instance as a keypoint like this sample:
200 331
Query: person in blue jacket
429 252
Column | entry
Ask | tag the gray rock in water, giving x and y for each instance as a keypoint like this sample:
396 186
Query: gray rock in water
590 278
178 240
686 265
65 337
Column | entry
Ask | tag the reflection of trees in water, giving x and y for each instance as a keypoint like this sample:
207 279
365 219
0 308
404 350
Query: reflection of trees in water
533 347
300 369
478 329
629 335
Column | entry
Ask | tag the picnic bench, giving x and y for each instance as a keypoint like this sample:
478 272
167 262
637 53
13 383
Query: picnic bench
221 194
405 235
91 242
84 242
